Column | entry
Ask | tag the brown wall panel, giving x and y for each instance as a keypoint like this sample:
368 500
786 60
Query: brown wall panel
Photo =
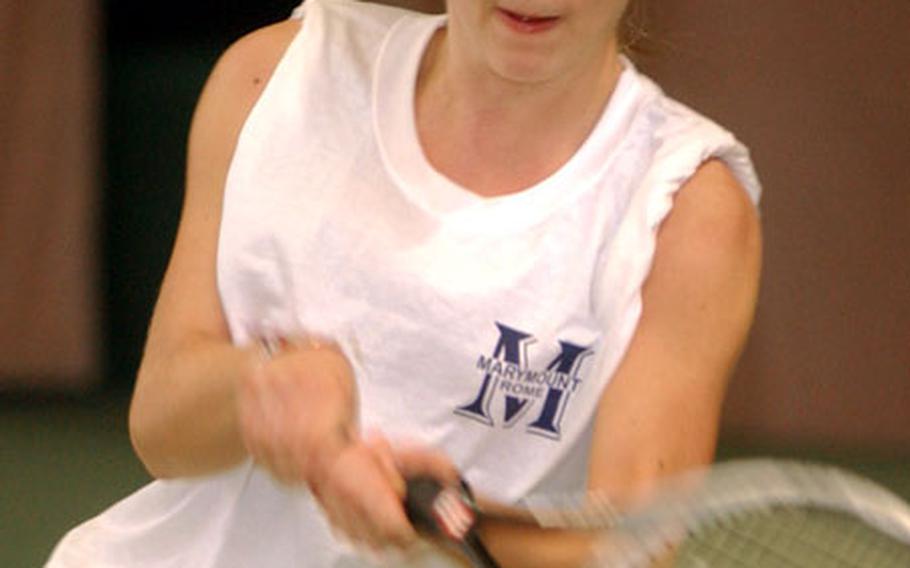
821 92
48 171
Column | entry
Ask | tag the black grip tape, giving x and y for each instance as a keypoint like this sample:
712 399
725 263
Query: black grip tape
419 505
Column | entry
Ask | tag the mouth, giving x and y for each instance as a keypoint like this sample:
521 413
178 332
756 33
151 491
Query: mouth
526 23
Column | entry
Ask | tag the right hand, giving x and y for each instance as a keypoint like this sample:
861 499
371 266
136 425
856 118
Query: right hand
298 409
297 416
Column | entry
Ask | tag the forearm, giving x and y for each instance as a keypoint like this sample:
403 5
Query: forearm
529 547
183 419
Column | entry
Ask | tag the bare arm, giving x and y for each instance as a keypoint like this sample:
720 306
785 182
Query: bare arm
661 411
202 405
190 369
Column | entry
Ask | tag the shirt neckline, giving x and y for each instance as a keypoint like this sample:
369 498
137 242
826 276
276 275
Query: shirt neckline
395 130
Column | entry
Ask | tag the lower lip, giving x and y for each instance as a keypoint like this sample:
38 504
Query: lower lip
531 26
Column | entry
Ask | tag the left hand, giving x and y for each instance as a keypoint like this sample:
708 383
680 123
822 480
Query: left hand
362 490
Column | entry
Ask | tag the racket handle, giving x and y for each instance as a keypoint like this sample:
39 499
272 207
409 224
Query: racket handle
448 513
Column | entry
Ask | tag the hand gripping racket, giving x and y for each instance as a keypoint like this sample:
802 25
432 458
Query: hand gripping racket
750 513
449 513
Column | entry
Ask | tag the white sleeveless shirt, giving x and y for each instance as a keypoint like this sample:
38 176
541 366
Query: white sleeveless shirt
485 327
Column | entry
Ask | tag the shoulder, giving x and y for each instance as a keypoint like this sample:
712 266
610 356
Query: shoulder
246 66
713 219
232 89
707 259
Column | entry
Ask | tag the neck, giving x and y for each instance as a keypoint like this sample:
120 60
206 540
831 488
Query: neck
494 135
471 88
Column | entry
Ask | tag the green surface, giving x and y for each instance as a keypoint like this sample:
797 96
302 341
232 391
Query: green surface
63 461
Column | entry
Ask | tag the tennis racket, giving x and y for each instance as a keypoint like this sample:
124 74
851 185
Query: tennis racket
748 513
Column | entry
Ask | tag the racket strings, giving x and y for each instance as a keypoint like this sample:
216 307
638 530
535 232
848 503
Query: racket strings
593 512
799 538
744 544
749 514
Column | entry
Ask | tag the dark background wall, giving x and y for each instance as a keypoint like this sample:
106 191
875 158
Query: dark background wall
157 57
819 90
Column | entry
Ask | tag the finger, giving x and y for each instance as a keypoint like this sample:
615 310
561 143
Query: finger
372 522
385 458
348 524
379 504
393 527
356 497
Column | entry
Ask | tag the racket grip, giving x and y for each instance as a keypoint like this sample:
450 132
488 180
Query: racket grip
448 513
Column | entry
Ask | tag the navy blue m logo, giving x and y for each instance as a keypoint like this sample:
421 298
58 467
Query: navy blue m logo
507 373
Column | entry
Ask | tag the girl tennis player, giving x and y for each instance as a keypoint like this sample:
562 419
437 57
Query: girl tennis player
476 244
